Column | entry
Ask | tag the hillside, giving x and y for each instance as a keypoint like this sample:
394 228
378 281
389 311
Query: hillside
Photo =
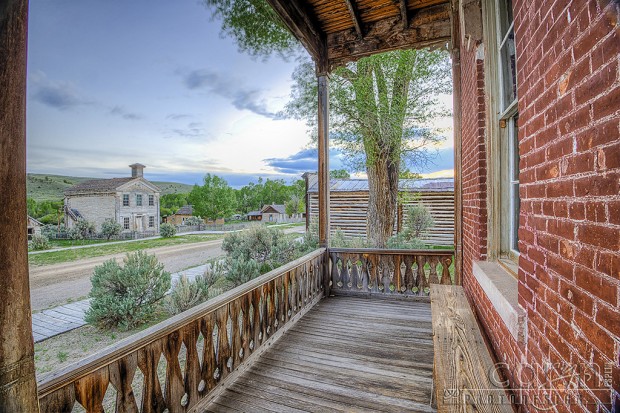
43 187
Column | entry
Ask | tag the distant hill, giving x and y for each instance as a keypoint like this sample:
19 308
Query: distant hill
43 187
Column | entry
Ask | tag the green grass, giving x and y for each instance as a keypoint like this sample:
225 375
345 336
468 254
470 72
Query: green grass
45 187
56 257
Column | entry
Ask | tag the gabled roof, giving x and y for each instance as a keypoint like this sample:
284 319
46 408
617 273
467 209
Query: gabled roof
102 186
254 213
33 221
361 185
185 210
279 209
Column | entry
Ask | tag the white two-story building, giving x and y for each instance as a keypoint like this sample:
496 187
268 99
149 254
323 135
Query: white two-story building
133 202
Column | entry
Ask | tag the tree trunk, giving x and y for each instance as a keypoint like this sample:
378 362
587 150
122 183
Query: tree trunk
383 197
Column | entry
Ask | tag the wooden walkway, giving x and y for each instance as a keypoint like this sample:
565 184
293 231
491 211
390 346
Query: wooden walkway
347 354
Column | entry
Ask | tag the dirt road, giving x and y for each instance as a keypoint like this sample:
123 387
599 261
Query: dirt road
53 285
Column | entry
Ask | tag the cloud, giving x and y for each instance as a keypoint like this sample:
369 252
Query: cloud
178 116
58 95
120 111
193 130
242 97
305 160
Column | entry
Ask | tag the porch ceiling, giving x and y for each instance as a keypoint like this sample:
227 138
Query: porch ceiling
339 31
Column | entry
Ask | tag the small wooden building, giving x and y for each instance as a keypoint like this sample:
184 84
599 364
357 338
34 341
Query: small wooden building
179 217
274 213
255 216
34 227
349 205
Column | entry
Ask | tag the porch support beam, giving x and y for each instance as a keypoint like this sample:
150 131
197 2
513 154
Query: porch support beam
402 4
357 23
323 138
18 388
455 53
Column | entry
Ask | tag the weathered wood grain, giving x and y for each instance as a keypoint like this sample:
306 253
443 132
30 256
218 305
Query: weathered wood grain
463 365
344 355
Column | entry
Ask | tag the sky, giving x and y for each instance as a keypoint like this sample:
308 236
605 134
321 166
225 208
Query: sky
115 82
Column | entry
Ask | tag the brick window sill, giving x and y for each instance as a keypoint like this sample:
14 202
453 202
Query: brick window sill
501 288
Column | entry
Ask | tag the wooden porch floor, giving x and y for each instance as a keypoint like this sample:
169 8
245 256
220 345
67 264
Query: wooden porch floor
346 354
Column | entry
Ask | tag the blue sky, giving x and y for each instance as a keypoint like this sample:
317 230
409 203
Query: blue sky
111 83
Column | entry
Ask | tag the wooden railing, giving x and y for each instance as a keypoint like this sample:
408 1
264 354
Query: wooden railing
375 272
185 360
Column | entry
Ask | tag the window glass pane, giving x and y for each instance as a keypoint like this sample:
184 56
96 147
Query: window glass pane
514 182
508 71
504 9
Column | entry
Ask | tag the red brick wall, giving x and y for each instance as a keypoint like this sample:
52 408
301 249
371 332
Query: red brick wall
569 269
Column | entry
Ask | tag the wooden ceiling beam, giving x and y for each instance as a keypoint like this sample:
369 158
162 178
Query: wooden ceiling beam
427 27
402 4
302 25
357 23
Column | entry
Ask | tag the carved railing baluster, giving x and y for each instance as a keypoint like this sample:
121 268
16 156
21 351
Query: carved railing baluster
121 376
209 363
192 377
174 389
148 362
395 272
90 390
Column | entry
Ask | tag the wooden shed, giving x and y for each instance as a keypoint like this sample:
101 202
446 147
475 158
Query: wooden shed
348 205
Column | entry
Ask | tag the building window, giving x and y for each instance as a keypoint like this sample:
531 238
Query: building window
126 223
125 199
151 200
509 128
138 200
151 221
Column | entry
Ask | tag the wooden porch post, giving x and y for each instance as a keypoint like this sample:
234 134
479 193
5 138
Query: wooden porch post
18 387
323 122
456 96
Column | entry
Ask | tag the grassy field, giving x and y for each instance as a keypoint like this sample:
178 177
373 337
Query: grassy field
51 187
56 257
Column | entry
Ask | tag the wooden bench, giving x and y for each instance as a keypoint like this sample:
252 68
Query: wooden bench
465 378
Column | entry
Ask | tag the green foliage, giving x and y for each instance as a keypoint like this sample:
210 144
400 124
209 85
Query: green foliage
126 296
40 242
254 25
403 241
268 247
239 271
167 230
214 199
111 228
194 221
82 229
294 205
48 210
340 240
405 173
339 174
254 196
418 221
170 203
186 294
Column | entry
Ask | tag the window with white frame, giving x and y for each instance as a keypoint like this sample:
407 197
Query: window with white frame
151 200
139 200
151 221
125 199
126 223
508 131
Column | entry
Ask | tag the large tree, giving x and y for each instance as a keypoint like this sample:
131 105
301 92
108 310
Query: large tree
214 199
381 107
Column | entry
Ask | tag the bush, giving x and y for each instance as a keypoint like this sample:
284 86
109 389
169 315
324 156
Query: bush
340 240
167 230
110 229
419 220
268 247
186 294
82 229
240 271
193 221
40 242
126 296
402 241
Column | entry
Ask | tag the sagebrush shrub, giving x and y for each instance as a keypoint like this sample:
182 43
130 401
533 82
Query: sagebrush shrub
167 230
82 229
126 296
187 293
240 271
40 242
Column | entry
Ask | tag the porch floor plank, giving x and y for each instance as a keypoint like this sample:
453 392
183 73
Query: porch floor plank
347 354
